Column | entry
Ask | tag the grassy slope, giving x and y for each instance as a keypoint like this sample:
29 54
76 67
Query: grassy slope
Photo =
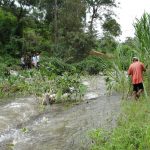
132 132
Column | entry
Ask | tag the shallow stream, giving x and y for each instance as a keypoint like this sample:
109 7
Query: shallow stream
23 126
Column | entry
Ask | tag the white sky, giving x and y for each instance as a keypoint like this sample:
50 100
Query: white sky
127 12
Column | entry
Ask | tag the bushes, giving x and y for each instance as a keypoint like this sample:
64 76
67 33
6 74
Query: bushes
55 66
33 82
93 65
7 25
7 63
50 66
53 75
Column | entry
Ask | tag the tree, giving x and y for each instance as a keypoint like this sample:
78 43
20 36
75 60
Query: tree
65 19
20 9
111 26
7 25
56 26
131 42
108 43
97 8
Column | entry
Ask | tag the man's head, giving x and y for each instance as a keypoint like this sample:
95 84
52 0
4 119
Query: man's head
135 59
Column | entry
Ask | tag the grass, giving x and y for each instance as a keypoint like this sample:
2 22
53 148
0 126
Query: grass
132 132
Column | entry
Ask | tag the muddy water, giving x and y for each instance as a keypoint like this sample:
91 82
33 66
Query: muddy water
23 126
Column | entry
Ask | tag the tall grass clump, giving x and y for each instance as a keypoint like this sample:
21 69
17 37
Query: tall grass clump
117 78
142 32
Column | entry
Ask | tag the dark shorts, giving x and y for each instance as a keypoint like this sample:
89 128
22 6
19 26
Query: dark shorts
137 87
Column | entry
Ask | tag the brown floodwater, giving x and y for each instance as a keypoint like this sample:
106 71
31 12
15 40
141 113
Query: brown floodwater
24 126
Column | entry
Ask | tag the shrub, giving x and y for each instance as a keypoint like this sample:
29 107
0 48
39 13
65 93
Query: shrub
56 66
92 65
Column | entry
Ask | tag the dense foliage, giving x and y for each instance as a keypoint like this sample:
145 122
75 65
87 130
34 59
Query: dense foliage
55 26
53 75
60 32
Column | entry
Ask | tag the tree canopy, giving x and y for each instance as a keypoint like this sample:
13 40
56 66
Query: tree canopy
55 26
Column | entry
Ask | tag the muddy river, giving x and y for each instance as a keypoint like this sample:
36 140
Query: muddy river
25 126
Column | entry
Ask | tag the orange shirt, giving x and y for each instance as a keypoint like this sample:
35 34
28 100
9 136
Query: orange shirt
135 70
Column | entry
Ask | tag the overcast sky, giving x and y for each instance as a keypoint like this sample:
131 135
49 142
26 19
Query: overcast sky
128 11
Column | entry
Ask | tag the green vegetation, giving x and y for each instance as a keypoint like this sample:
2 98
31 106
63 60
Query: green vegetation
59 30
132 131
54 76
53 26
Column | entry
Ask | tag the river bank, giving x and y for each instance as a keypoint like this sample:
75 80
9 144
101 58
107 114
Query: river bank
23 126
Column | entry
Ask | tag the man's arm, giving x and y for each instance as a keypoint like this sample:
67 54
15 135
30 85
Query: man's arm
129 71
143 67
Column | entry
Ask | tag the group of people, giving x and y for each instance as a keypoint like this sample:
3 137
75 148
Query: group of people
136 70
29 61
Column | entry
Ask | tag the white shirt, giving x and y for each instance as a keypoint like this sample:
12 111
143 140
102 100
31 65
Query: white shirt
38 58
22 60
34 60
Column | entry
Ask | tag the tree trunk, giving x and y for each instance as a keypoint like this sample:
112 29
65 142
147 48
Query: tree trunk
94 12
56 24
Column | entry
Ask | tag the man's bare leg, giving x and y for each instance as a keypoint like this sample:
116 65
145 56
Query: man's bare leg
134 95
139 92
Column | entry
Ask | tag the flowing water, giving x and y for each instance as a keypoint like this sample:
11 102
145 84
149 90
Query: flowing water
23 126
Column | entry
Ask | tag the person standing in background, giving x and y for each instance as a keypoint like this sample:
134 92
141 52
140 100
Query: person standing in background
23 65
34 60
38 59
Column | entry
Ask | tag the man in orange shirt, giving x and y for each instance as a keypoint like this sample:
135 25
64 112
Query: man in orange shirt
136 71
